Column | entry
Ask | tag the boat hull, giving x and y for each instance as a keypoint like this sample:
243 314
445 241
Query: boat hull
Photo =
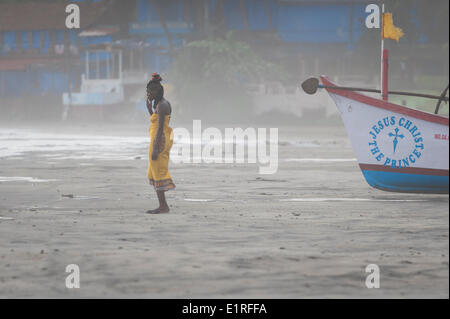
398 149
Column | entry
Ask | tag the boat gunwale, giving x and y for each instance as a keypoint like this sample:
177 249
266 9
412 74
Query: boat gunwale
421 115
404 170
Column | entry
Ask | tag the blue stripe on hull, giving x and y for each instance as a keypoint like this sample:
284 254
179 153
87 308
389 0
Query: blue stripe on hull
407 183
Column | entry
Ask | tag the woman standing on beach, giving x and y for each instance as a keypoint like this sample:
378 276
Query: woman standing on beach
161 141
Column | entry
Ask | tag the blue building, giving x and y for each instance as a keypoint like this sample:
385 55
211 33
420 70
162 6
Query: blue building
36 48
298 25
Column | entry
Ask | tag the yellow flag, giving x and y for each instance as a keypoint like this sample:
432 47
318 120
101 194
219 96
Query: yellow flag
390 31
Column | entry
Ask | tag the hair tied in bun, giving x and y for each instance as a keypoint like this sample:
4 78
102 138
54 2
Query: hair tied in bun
156 77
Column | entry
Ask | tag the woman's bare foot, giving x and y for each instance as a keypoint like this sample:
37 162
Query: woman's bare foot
159 210
163 207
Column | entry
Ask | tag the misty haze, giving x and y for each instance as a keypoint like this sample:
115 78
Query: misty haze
301 214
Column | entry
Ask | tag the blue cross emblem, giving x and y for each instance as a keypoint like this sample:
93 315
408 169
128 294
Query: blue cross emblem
396 136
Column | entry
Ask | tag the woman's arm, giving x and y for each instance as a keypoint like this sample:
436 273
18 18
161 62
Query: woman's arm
163 111
149 106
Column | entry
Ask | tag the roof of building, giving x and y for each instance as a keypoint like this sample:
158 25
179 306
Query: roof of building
98 31
20 64
39 15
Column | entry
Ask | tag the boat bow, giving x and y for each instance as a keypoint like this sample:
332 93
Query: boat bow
398 149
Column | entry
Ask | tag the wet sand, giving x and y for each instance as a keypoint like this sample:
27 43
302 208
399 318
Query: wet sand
78 196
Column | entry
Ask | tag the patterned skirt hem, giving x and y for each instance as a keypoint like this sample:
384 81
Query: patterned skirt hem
162 185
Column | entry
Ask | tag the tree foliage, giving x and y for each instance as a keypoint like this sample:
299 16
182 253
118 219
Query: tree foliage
219 70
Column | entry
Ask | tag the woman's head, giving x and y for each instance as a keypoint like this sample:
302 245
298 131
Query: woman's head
155 90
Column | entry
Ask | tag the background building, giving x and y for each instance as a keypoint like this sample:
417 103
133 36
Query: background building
40 58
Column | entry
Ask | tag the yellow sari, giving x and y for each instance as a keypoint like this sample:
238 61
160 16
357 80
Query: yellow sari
158 171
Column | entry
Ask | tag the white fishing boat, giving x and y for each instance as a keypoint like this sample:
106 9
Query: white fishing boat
398 148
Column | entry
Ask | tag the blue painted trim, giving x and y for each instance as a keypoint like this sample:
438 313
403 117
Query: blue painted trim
59 37
36 39
46 42
408 183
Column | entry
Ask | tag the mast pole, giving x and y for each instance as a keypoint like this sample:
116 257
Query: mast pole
382 49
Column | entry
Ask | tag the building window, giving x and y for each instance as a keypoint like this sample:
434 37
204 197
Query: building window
9 41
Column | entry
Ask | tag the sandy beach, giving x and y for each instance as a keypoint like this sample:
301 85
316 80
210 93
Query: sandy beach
77 195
